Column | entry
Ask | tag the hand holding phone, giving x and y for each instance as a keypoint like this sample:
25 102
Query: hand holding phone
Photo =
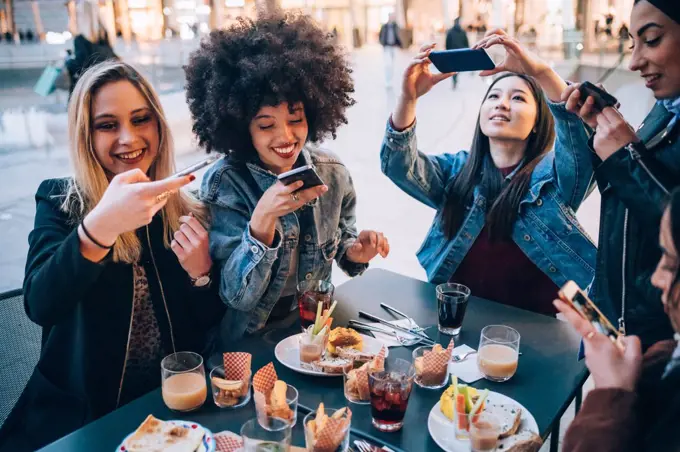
307 174
601 97
572 295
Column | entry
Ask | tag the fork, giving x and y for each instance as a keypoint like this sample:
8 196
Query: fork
413 325
462 356
365 446
406 342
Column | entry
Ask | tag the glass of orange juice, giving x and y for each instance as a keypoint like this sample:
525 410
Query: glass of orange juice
183 376
498 352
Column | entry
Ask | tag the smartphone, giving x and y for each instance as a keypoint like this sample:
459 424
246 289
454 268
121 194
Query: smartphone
306 173
461 60
601 97
197 166
572 294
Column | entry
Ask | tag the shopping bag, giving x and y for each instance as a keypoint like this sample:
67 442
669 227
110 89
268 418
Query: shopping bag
46 82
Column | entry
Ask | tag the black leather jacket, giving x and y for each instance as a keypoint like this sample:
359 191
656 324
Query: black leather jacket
635 184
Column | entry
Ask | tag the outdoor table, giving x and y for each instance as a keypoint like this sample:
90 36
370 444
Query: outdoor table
548 378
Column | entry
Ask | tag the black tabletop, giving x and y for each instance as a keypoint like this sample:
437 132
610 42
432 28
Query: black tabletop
546 381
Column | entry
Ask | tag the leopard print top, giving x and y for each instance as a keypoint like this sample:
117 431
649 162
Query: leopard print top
143 369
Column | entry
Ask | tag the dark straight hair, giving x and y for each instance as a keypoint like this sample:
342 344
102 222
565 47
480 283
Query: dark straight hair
503 198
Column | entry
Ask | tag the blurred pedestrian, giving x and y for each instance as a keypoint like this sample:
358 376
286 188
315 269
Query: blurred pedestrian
456 38
390 40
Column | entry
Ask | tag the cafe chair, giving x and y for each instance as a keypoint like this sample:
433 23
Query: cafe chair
19 349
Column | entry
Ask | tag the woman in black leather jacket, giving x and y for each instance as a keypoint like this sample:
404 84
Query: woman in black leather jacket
635 172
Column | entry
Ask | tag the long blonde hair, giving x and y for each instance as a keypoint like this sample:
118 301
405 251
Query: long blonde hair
89 183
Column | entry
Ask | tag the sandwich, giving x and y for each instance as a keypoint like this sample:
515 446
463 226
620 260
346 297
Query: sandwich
331 365
524 441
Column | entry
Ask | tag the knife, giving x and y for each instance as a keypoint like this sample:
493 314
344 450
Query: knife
388 331
391 325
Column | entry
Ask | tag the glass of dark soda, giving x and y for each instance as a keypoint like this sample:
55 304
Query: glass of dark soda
452 300
390 391
309 295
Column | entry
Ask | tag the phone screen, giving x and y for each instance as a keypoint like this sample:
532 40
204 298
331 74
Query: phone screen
588 310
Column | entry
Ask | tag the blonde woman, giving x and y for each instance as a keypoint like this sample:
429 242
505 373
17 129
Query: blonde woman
118 269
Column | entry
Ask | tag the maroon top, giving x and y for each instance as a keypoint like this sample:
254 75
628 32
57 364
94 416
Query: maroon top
500 271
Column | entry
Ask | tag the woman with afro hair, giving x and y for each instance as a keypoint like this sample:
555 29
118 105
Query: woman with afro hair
262 92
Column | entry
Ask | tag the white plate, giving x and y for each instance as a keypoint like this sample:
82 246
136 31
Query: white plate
207 445
288 353
443 430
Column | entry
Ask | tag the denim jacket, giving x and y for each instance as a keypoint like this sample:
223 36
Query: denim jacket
253 275
546 228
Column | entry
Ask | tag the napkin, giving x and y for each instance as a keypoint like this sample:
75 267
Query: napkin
388 339
466 370
227 441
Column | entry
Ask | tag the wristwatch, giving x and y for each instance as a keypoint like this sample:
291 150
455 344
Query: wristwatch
201 281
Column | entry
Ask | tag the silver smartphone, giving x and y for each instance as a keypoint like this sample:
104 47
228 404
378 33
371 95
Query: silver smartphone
197 166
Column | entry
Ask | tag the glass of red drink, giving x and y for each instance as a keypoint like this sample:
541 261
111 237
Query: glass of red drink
390 390
309 295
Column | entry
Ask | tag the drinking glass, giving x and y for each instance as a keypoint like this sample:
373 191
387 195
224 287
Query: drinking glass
484 432
309 295
183 381
309 435
225 398
351 384
273 436
429 378
452 300
390 391
498 353
263 414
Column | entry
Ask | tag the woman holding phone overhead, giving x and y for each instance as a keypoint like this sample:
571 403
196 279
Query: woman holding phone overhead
505 223
635 171
261 92
118 265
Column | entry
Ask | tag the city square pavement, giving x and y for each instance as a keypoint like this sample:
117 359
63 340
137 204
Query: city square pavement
446 120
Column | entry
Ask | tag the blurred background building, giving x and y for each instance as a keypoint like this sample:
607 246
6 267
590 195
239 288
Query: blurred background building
591 24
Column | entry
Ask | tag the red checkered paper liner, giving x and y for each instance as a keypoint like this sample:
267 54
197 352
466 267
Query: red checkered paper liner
378 363
227 441
237 366
264 379
436 363
330 438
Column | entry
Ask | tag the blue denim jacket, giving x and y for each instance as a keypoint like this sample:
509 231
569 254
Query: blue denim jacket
253 275
546 228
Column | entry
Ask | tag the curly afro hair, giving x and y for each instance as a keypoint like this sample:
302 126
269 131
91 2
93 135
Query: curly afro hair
265 62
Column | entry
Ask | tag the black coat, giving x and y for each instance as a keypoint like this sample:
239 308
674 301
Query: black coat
635 189
382 35
85 311
456 38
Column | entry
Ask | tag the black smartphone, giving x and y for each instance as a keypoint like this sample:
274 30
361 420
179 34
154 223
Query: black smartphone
601 97
306 173
461 60
572 294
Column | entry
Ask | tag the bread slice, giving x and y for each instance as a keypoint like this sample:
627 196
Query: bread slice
509 416
524 441
332 365
344 337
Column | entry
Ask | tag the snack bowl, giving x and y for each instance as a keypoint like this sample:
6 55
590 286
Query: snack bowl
282 404
327 429
229 393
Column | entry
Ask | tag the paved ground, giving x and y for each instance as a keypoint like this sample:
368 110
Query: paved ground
446 120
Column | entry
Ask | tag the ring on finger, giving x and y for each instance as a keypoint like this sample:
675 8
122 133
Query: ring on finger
163 196
295 197
590 335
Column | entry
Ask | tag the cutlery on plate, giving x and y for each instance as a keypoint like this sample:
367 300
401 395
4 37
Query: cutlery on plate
365 446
